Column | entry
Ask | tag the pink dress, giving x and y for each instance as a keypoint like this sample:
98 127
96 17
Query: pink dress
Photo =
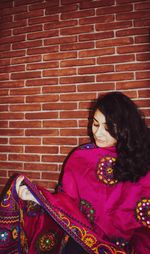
102 215
118 211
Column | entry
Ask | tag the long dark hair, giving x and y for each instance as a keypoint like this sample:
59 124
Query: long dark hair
127 125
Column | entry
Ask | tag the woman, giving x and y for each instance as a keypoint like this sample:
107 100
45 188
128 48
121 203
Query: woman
105 184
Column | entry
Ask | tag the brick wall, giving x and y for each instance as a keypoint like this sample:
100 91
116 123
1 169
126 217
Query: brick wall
55 58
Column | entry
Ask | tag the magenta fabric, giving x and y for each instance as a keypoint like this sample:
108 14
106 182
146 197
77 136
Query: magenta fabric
102 215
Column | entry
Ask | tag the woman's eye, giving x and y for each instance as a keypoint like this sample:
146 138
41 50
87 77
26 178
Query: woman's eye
95 125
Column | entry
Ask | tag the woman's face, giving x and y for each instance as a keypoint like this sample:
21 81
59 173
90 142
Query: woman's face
100 133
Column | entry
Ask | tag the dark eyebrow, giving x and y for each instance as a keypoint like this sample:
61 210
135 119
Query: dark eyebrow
95 119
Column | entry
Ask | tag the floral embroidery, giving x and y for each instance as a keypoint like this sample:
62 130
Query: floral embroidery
4 236
87 210
47 242
143 211
105 170
89 239
6 199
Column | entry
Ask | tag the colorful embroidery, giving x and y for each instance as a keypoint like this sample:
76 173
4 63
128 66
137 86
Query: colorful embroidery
143 211
89 239
47 242
4 236
105 170
87 210
87 146
6 199
32 209
122 243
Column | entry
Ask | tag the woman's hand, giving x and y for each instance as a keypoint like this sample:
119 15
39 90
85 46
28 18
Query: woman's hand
23 191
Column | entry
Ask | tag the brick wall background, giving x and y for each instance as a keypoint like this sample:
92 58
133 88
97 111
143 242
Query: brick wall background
57 56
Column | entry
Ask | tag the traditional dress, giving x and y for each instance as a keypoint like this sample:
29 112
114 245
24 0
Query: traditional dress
101 215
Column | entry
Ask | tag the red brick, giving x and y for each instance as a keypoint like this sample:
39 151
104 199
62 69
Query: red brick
23 157
12 39
53 158
50 175
4 62
142 6
42 20
77 46
41 132
77 62
25 141
30 175
26 75
142 39
42 98
115 59
132 84
77 30
3 157
41 35
132 15
29 14
132 31
59 89
60 40
4 124
76 79
27 44
95 4
10 69
42 50
94 20
133 49
96 36
59 106
59 56
11 54
25 124
113 25
11 116
11 84
4 76
27 29
59 141
68 8
60 24
59 124
41 115
3 92
77 97
74 132
74 114
96 69
40 167
46 65
143 75
114 42
41 149
42 82
96 87
26 59
132 67
11 149
25 91
10 165
4 141
78 14
97 52
23 107
115 77
114 9
7 99
59 72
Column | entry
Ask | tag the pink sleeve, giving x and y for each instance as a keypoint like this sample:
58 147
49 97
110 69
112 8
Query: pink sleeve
69 183
142 241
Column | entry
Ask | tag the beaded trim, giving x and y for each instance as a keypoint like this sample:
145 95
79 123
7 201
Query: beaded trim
87 209
105 170
47 242
143 211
